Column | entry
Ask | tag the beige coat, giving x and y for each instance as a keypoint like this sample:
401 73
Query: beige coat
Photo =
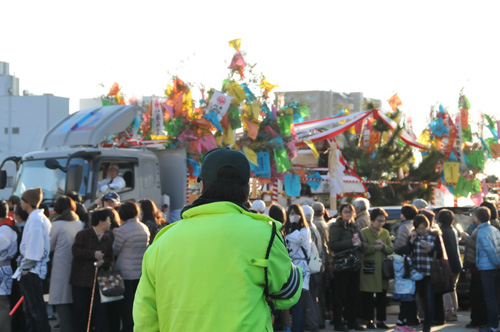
62 237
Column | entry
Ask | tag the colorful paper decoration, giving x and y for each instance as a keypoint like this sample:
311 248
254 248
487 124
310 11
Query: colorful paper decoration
267 87
267 111
438 128
238 64
282 161
463 102
394 102
106 102
263 169
313 148
292 184
228 136
285 124
207 143
219 103
303 111
476 159
250 96
157 118
252 129
235 43
236 91
114 90
451 171
463 187
464 117
314 184
195 166
251 155
214 119
495 150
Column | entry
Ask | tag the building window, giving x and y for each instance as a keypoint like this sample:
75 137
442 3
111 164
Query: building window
10 182
15 130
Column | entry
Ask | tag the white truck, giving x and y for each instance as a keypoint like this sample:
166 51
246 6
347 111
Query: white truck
71 158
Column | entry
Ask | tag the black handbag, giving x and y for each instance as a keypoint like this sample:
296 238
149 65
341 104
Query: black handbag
388 268
441 271
346 260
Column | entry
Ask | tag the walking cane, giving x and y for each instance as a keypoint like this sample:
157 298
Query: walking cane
92 297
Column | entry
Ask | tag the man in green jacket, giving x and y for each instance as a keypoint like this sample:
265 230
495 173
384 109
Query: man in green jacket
221 267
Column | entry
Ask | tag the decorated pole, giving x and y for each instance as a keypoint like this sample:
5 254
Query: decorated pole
275 191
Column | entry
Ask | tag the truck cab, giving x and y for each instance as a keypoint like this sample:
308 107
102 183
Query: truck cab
73 158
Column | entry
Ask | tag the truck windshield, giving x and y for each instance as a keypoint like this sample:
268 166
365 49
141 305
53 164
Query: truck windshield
33 173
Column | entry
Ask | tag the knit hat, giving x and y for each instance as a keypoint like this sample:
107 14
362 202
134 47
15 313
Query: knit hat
218 158
33 196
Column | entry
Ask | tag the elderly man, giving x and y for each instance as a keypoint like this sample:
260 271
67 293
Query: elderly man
361 205
113 182
219 267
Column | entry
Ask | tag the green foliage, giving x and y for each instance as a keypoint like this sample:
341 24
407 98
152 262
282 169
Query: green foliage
385 162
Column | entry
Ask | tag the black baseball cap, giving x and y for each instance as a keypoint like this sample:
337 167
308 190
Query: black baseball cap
215 159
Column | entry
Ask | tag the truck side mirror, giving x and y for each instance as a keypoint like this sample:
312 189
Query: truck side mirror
3 179
53 164
74 178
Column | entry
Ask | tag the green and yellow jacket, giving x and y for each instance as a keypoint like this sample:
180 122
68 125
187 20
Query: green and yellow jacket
206 272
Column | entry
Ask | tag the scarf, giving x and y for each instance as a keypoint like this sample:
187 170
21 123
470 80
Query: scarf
8 221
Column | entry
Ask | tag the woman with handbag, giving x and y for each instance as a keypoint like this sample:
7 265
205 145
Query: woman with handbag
423 244
344 235
92 245
377 245
130 244
298 243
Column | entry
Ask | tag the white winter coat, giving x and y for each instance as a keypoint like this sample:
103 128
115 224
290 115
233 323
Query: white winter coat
294 241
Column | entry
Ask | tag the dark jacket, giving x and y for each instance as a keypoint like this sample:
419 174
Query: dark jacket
450 240
84 248
340 237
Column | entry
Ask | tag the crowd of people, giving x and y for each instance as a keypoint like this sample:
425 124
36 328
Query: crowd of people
230 263
354 297
59 252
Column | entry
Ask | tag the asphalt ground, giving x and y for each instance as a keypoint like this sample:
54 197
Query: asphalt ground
392 316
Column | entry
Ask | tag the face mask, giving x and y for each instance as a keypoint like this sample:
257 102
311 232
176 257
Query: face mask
294 219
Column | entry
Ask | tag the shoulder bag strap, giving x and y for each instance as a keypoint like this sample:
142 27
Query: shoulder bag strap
305 254
443 249
266 278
